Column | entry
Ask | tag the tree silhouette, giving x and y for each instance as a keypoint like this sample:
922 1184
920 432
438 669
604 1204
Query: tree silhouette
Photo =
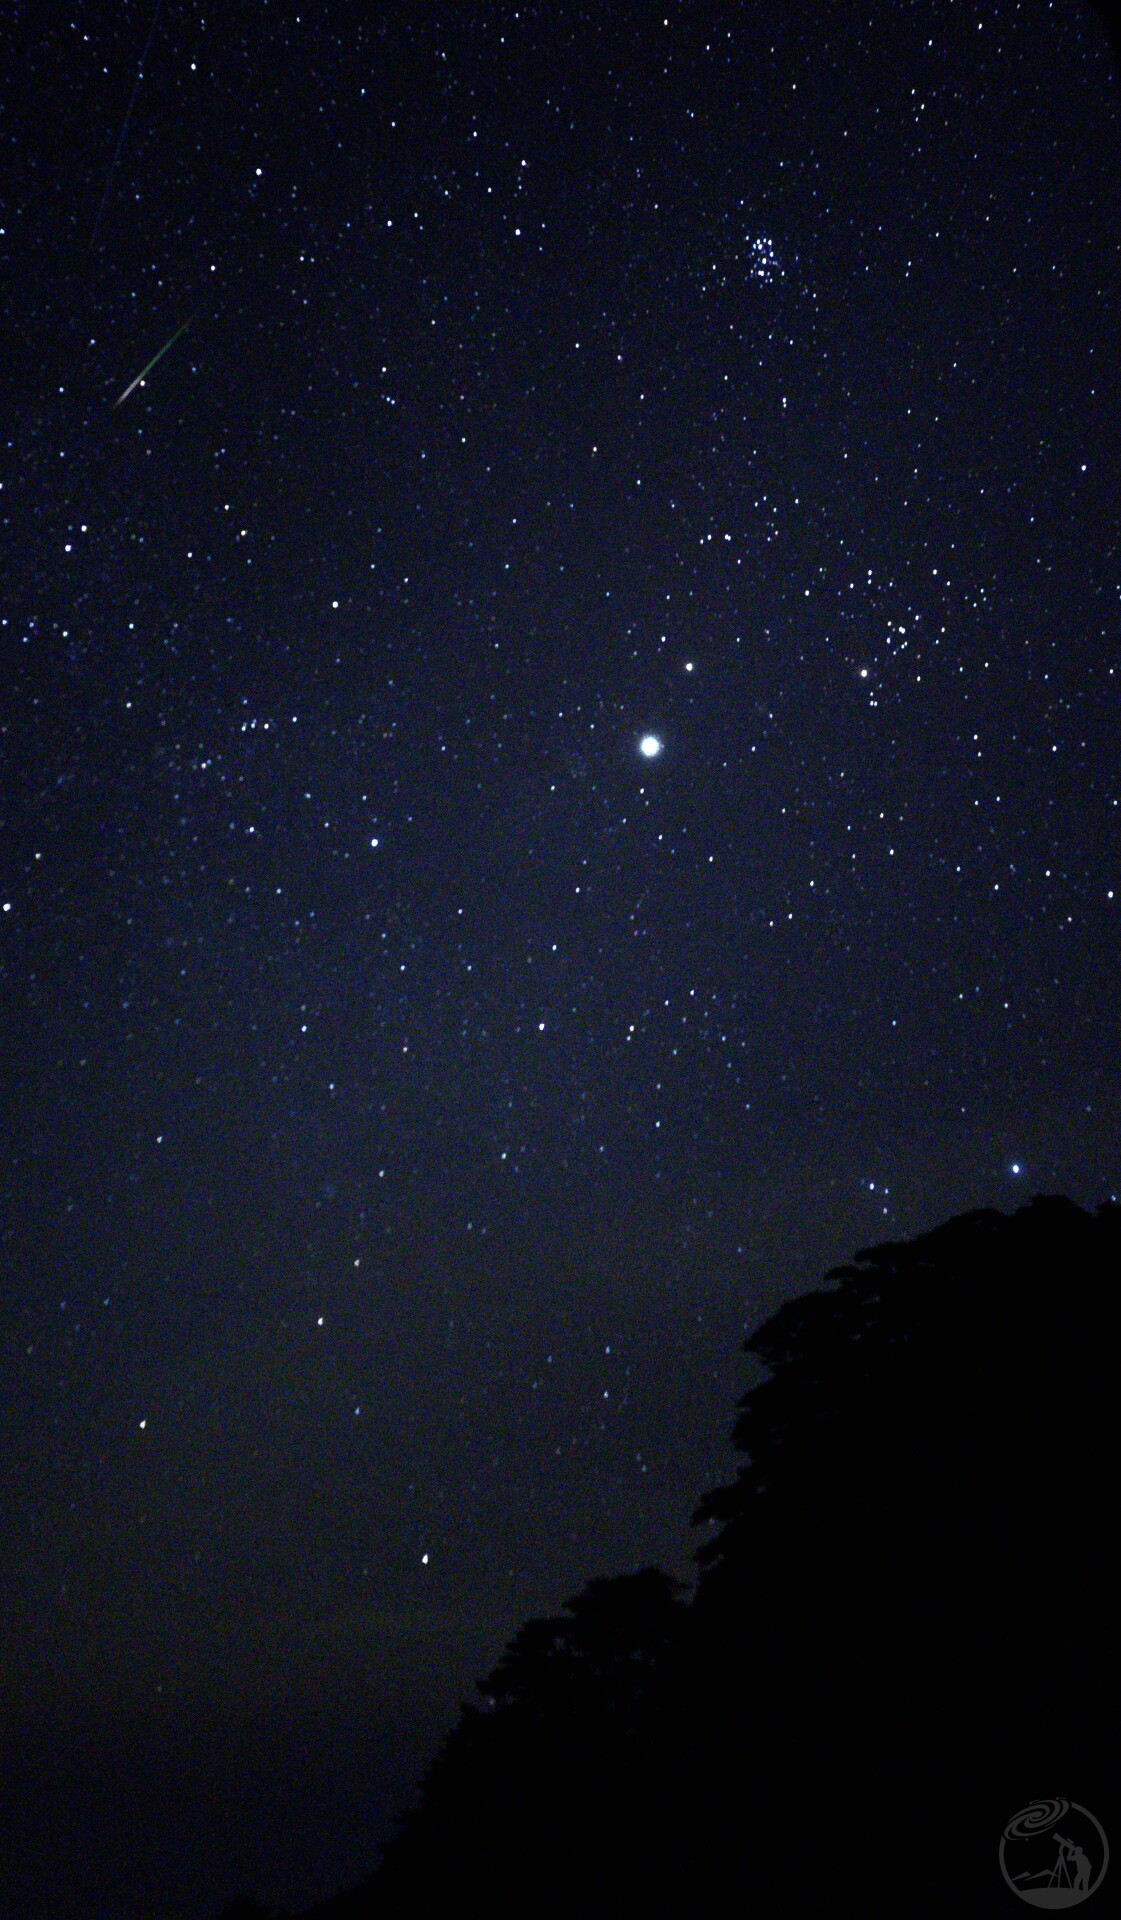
1109 13
912 1595
904 1625
539 1794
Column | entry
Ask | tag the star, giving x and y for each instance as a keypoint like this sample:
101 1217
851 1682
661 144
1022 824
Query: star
650 746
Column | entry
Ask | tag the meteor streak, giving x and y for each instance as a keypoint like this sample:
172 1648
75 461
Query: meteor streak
133 384
124 125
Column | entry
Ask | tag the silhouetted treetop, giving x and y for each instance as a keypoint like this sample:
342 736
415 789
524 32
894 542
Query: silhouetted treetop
904 1624
540 1785
599 1654
922 1357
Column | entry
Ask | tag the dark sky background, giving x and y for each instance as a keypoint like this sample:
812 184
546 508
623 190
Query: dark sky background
412 1089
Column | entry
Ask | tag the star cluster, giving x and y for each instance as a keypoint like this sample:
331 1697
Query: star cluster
560 772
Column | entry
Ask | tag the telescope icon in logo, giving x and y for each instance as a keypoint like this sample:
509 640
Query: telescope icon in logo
1054 1853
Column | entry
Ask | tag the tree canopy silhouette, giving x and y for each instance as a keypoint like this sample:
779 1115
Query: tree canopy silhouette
912 1594
538 1791
903 1629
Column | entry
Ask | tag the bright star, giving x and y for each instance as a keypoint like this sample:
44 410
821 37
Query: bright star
650 746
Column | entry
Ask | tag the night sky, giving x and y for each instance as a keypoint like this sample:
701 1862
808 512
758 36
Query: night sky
558 775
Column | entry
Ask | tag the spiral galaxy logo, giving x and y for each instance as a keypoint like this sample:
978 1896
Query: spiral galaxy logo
1054 1853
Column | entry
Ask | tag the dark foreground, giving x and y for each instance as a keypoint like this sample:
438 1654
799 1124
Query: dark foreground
903 1634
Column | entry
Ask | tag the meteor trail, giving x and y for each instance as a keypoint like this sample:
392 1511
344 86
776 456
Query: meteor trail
156 356
124 125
